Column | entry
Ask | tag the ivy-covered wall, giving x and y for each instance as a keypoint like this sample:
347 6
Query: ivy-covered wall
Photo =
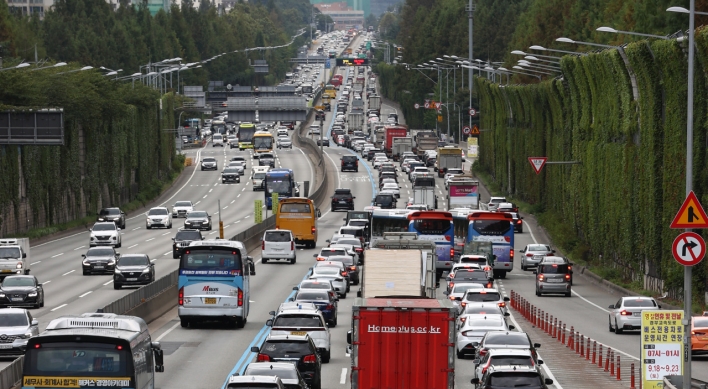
115 150
631 181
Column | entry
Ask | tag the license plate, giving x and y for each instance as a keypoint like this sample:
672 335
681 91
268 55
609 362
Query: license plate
5 346
537 257
555 280
132 279
342 202
637 314
17 299
210 300
298 333
98 267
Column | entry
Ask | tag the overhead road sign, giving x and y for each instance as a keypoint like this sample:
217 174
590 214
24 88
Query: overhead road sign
689 248
352 61
691 214
32 127
537 163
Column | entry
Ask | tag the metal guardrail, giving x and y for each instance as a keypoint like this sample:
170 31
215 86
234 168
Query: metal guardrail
12 373
676 382
141 295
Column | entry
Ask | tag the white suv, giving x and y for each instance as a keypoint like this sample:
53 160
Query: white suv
158 217
305 317
217 140
278 244
494 203
182 208
105 234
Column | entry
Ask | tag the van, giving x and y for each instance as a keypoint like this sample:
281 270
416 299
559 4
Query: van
258 174
217 140
299 215
278 244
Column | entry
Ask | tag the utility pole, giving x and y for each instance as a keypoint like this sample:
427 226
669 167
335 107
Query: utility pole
470 13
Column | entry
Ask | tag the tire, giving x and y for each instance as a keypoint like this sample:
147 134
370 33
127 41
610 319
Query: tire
538 293
86 273
292 261
148 226
264 260
503 275
209 229
460 355
344 296
618 330
36 306
325 358
117 286
41 305
239 323
170 227
609 326
567 294
356 283
523 268
119 245
223 181
184 322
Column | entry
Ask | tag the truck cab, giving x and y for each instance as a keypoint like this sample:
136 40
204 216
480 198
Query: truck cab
14 255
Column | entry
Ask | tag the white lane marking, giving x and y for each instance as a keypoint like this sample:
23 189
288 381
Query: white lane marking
61 306
205 196
153 260
56 240
239 195
309 164
167 253
232 201
34 263
132 246
210 191
166 233
109 282
46 282
69 272
136 228
150 239
167 332
212 233
198 202
225 207
237 221
343 377
85 294
78 248
185 184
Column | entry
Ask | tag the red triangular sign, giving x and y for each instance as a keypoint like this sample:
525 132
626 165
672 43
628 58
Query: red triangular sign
691 214
537 163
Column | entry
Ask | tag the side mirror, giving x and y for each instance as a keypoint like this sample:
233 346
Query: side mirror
349 337
448 278
474 381
553 251
291 299
159 357
512 327
446 293
537 345
251 269
319 213
612 306
522 250
296 288
507 314
26 254
35 322
535 272
658 305
272 313
255 349
83 255
548 381
173 239
507 299
540 361
476 361
269 322
327 240
314 255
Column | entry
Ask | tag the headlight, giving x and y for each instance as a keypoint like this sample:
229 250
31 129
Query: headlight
187 222
113 237
28 335
117 271
2 295
32 294
85 262
93 238
19 265
112 262
147 270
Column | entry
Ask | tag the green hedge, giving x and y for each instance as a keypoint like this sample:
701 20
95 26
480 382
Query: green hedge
620 201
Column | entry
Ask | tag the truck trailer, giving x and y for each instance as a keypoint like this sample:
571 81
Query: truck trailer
391 132
448 158
400 146
400 343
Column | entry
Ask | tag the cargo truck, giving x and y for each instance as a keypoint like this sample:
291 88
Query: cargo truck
15 254
391 132
424 192
355 122
448 158
463 192
400 146
399 343
424 144
375 104
407 245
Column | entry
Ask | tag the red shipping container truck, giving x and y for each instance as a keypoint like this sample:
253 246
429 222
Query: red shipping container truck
403 343
337 80
391 132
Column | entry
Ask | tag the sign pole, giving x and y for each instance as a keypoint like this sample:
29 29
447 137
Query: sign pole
687 272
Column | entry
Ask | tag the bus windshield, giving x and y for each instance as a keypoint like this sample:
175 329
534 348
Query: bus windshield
492 227
245 133
263 142
295 208
431 227
212 262
79 359
279 185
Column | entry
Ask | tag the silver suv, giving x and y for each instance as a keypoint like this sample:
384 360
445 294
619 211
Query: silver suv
17 326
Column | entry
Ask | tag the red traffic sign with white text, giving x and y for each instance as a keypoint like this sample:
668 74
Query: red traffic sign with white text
689 248
537 163
691 214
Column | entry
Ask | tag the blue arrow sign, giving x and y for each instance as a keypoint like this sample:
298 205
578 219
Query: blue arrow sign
327 64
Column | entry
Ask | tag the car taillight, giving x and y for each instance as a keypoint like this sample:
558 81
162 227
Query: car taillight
313 229
489 284
502 305
626 313
352 268
452 298
180 296
483 352
540 277
342 163
463 319
359 250
240 298
344 274
463 304
511 253
329 306
484 369
451 285
263 358
292 245
529 255
263 245
452 249
567 277
309 358
550 255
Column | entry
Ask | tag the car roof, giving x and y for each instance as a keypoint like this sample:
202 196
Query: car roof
13 310
261 379
637 298
512 368
553 260
523 352
483 291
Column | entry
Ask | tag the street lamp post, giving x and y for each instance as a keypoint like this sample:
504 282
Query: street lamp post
20 66
568 40
615 31
541 48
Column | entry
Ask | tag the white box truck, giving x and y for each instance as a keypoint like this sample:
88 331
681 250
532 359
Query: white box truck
14 256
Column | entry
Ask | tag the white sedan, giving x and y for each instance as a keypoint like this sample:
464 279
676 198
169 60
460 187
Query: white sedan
391 188
379 160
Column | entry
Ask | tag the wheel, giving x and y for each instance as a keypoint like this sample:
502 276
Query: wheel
326 356
117 286
538 293
86 273
292 261
609 326
523 268
223 181
170 227
184 322
264 260
460 355
209 229
567 294
618 330
356 282
344 296
41 305
36 306
239 323
148 226
503 275
119 244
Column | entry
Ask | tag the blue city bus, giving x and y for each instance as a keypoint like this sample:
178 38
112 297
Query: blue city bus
495 227
387 220
436 226
213 282
282 182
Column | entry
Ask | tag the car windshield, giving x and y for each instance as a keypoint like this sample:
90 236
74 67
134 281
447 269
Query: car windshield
183 204
470 275
283 374
331 252
188 235
110 212
104 227
13 320
700 321
315 285
18 281
9 252
353 242
297 321
639 303
310 295
464 287
326 270
100 252
514 380
197 214
483 296
157 212
290 348
553 269
134 260
209 159
507 338
277 236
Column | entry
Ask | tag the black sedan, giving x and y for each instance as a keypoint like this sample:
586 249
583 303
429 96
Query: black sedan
99 260
21 291
112 215
198 220
323 142
230 174
133 269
